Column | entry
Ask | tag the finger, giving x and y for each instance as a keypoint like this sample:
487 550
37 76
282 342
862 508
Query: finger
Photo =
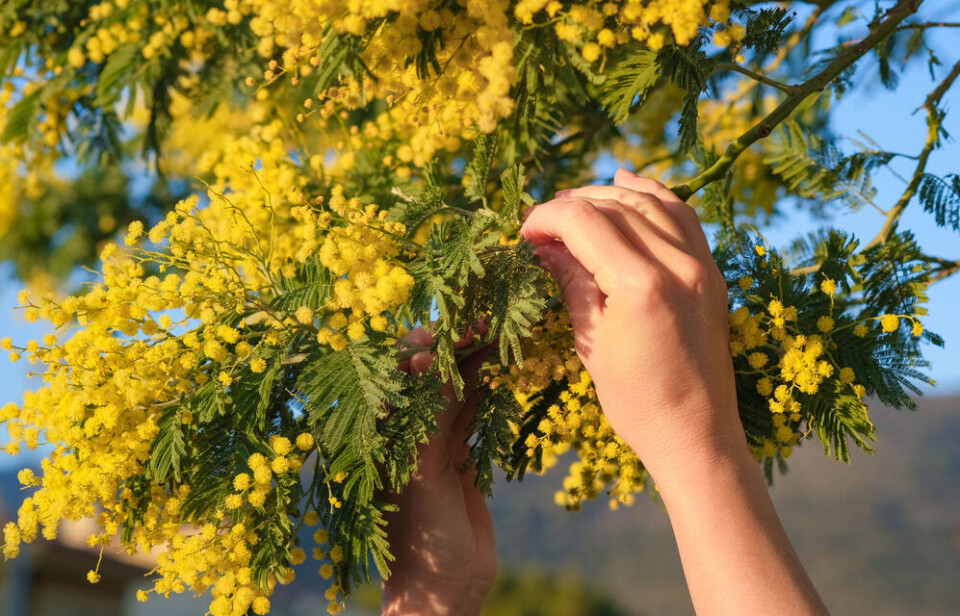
417 337
477 510
421 361
644 203
589 236
644 235
685 215
474 501
581 294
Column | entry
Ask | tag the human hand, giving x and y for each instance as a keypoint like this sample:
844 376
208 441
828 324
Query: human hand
648 308
442 534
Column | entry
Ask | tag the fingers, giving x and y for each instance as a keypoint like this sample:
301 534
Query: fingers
581 294
684 215
590 236
420 362
459 450
649 239
648 205
449 442
624 178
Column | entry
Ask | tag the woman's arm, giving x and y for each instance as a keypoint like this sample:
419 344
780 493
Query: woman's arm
649 313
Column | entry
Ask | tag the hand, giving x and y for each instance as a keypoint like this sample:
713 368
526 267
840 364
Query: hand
648 308
442 535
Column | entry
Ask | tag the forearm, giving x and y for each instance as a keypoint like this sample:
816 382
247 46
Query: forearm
735 553
423 598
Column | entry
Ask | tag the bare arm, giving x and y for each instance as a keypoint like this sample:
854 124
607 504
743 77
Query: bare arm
736 556
646 300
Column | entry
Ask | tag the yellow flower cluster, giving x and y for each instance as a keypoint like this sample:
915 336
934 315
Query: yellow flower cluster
195 307
790 364
26 173
468 86
604 462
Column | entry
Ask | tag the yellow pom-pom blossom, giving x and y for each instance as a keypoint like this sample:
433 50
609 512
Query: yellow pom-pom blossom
429 112
604 462
889 322
109 379
304 441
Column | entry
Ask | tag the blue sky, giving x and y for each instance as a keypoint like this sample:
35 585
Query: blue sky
887 117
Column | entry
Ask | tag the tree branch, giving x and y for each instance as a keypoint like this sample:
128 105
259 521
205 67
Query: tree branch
934 120
892 19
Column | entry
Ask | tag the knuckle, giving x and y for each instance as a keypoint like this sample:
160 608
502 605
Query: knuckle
641 200
643 287
691 273
581 209
682 211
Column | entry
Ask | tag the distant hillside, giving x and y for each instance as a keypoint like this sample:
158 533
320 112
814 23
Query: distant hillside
879 537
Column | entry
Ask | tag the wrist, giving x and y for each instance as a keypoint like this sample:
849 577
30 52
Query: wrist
714 467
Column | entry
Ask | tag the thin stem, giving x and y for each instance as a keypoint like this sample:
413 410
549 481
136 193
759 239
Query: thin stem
755 76
893 18
946 270
934 120
929 24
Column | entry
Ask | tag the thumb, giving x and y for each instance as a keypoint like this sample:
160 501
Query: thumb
582 296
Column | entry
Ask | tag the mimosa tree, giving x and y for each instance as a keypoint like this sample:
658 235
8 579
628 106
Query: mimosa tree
300 182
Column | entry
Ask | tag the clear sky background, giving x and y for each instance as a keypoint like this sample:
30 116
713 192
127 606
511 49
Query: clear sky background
889 118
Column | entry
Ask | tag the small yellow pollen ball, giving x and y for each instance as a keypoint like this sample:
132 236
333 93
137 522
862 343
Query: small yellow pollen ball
889 322
261 606
304 441
304 315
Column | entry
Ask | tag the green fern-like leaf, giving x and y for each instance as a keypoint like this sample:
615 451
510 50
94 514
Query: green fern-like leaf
814 168
941 197
629 83
513 195
346 392
517 299
168 449
764 29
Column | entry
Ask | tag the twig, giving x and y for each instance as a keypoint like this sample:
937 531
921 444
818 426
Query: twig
934 120
755 76
929 24
893 18
946 269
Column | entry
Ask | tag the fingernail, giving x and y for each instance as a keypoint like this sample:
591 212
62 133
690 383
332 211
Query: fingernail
628 172
563 193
